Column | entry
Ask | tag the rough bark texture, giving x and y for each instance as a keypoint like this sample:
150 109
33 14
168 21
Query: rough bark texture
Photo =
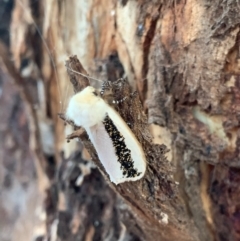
157 187
182 57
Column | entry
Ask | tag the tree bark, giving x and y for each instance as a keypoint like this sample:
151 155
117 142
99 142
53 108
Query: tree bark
182 59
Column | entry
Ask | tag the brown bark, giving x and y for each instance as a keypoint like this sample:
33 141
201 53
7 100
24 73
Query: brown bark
182 58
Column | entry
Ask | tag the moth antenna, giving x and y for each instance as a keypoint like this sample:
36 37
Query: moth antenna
87 76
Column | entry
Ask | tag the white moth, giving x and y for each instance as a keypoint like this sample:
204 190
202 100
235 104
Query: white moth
118 149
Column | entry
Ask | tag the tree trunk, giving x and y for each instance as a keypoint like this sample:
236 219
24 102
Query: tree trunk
182 59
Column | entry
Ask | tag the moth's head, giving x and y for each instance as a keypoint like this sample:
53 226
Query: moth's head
86 108
88 95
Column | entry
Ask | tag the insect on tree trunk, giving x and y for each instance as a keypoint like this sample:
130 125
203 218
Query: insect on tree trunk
180 59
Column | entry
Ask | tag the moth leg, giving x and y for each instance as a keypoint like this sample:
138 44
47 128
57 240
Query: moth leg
107 86
119 101
132 95
107 91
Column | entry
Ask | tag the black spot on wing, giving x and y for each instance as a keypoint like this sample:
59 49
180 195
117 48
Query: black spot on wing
121 150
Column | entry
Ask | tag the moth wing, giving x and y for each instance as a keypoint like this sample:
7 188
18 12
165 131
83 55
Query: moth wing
131 142
106 152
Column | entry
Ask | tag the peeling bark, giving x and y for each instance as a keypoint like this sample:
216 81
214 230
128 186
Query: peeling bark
192 96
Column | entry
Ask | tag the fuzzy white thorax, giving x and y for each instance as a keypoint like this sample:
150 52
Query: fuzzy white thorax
86 109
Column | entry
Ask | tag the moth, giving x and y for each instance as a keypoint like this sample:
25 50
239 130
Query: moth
117 147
